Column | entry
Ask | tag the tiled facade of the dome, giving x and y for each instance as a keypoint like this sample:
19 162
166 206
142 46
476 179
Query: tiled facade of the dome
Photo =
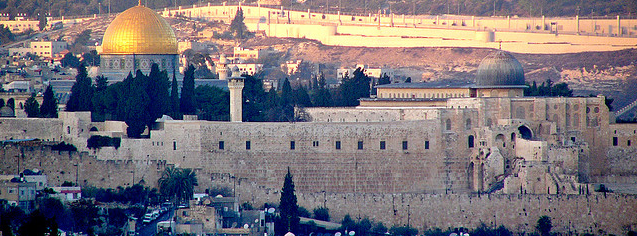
137 38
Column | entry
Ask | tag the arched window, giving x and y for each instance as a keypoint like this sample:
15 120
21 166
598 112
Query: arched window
470 141
68 129
512 137
525 132
500 139
576 120
448 124
489 122
468 124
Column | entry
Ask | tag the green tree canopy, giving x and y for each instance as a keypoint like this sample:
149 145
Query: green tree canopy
212 103
49 108
91 58
35 225
174 99
322 213
351 89
69 60
81 92
187 104
321 96
159 97
6 35
134 105
288 220
544 226
177 183
42 22
238 27
32 107
548 89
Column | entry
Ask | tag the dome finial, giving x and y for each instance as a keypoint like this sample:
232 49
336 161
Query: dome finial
139 2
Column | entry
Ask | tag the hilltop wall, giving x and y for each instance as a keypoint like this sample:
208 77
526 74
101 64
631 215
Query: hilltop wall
521 35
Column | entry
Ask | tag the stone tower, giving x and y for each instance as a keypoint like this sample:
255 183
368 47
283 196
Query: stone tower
222 67
235 85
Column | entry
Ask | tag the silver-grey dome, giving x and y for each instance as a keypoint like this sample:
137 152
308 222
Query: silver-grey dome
500 68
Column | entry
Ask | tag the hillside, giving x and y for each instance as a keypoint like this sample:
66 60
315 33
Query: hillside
610 73
613 73
536 8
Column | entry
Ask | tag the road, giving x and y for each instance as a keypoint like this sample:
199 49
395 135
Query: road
150 228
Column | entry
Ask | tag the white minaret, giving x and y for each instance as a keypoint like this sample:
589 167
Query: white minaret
235 85
222 68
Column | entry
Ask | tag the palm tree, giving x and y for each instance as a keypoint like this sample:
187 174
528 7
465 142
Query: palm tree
177 183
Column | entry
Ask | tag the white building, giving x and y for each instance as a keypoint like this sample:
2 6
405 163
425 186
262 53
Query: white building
247 68
371 72
17 86
45 49
68 193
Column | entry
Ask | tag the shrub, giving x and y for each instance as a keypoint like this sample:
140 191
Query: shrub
98 141
64 147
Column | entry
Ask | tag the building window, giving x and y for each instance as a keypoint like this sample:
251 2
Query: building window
360 145
338 145
628 142
315 143
292 145
448 124
405 145
615 141
222 145
248 145
174 145
382 145
470 141
426 144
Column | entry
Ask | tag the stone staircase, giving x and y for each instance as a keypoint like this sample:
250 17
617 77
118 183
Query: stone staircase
626 108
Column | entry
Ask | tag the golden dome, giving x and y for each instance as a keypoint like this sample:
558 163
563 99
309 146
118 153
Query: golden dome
139 30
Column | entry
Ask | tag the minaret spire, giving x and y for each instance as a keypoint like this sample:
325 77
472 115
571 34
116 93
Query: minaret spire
139 2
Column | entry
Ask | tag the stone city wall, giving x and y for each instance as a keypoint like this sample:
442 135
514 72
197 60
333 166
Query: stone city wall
27 128
595 213
78 167
608 25
612 213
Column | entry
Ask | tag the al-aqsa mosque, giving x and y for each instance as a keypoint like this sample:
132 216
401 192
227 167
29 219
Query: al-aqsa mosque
137 38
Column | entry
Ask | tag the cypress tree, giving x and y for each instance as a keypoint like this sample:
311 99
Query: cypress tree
32 107
289 217
174 99
187 102
237 27
157 90
286 93
302 98
81 92
134 105
49 108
